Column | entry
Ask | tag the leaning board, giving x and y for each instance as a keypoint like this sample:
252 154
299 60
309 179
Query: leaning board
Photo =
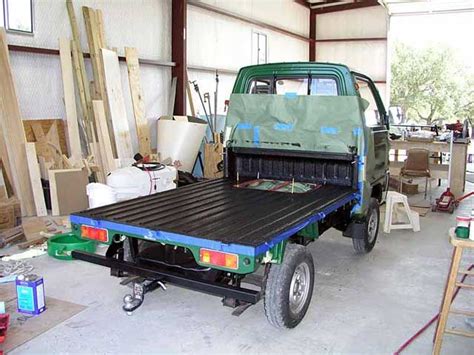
118 113
35 176
10 120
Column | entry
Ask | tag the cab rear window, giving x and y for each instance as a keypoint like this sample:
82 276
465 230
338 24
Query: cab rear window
316 86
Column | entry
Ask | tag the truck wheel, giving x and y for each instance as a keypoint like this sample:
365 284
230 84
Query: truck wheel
289 288
371 230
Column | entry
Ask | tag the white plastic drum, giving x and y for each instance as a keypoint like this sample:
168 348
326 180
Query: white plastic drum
100 195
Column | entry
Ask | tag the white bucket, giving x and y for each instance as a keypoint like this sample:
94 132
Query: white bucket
100 195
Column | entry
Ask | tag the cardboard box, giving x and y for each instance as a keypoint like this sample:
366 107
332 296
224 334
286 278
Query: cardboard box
10 213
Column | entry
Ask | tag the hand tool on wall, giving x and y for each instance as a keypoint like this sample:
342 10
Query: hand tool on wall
216 93
207 98
196 88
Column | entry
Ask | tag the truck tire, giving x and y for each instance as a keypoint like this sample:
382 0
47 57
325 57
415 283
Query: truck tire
289 288
371 229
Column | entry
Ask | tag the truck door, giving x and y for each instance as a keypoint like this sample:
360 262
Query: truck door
376 119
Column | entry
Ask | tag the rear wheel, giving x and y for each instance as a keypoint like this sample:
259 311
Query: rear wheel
289 287
365 243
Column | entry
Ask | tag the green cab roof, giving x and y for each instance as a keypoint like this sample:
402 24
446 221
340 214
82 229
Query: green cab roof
340 71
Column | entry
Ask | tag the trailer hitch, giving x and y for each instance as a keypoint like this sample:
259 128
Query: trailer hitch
139 289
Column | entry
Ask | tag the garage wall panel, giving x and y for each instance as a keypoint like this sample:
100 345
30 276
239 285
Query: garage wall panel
360 23
144 24
286 14
366 57
359 53
217 41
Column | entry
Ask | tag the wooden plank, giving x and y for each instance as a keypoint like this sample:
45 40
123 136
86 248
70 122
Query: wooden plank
94 47
460 332
35 178
95 149
10 120
70 100
100 28
44 167
82 81
462 312
83 98
3 188
5 165
118 112
94 40
64 199
45 125
143 129
107 157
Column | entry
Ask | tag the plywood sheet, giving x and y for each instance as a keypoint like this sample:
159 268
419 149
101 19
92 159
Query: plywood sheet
46 125
10 120
118 112
68 191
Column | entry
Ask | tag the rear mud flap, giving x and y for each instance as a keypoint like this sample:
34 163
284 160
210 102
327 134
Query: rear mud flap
355 230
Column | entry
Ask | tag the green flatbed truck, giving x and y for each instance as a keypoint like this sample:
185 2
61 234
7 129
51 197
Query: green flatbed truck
306 150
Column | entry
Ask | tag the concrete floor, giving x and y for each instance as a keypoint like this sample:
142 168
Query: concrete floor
361 304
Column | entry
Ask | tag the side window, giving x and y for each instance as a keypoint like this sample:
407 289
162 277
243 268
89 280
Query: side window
291 86
323 87
18 15
260 87
372 115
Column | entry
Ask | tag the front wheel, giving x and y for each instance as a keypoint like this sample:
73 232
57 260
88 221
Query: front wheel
366 242
289 288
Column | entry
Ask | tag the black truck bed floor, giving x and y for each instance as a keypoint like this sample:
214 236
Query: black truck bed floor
216 210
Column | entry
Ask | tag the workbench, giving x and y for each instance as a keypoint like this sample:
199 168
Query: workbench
438 170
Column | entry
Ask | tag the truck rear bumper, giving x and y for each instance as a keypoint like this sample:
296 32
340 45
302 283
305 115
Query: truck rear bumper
213 288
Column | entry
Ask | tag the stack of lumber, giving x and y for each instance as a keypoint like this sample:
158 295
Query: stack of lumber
41 159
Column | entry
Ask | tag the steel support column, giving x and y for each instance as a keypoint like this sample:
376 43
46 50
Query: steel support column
178 53
312 36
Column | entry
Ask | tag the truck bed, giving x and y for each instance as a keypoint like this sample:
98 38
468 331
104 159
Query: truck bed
217 215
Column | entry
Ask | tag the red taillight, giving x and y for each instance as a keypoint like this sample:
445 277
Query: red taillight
99 234
218 258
